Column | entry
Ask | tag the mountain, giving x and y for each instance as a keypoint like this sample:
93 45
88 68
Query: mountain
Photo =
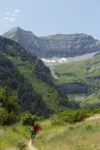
29 79
59 45
26 38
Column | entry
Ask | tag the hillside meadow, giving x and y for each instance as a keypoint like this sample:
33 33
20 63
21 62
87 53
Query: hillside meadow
56 133
80 136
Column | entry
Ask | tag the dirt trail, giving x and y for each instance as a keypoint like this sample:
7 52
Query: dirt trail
30 146
93 117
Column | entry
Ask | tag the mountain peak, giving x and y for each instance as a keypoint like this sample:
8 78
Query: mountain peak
20 29
11 33
17 28
16 31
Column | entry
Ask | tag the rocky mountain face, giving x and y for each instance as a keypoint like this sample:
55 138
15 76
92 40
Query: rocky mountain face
73 88
59 45
26 38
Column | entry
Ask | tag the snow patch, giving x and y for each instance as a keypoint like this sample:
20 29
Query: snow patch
57 60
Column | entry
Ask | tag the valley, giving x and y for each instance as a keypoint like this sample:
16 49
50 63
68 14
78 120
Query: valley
74 76
61 93
70 57
49 75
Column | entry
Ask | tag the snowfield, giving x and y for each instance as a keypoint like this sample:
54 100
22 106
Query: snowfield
56 61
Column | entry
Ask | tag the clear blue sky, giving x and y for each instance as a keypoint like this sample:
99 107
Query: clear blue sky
46 17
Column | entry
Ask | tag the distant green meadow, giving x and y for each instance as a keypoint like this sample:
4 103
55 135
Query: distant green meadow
78 70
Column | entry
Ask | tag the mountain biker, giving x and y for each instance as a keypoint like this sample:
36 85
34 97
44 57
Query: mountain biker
35 130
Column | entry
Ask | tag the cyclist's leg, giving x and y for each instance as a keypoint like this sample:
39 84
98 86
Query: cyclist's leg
35 134
32 132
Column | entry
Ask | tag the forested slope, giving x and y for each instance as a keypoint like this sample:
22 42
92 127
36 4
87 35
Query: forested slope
29 79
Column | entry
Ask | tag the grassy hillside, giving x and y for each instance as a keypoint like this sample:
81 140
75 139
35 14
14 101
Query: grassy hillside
91 100
78 70
80 136
86 72
53 135
94 98
48 92
12 136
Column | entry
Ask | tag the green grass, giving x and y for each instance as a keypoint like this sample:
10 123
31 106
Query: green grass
92 99
78 70
80 136
12 135
85 99
48 93
77 97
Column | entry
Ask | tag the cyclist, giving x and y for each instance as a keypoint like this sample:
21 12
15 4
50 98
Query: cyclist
35 130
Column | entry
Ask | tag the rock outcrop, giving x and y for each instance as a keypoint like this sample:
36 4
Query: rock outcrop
73 88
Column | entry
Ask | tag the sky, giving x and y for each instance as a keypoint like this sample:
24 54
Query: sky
48 17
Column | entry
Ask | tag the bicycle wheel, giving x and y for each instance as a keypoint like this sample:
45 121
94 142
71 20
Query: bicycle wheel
33 137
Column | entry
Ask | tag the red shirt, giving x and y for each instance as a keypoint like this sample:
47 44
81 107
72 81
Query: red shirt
35 127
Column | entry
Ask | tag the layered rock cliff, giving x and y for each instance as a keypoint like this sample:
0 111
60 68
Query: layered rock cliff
59 45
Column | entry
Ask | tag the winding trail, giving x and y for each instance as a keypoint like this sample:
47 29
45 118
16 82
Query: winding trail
93 117
30 146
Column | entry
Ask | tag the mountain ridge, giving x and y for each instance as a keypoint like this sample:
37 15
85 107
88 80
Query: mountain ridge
59 45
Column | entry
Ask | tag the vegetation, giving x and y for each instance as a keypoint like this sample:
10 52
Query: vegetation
92 101
64 130
27 98
73 116
29 80
28 119
59 134
14 137
80 72
27 91
9 109
78 136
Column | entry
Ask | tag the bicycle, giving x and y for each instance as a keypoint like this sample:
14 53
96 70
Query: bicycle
33 134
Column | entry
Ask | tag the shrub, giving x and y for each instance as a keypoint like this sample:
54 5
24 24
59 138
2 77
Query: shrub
21 146
89 127
3 116
14 129
57 122
72 116
97 110
12 118
9 107
71 127
78 116
28 119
